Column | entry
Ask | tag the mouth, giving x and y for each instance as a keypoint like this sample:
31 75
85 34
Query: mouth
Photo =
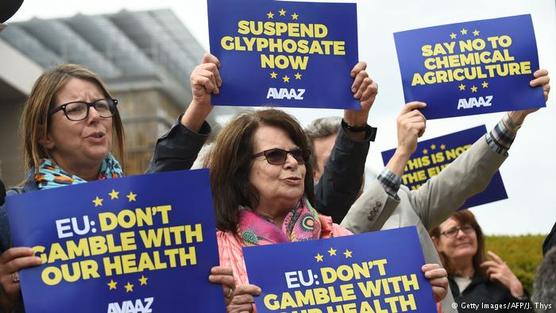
96 135
293 180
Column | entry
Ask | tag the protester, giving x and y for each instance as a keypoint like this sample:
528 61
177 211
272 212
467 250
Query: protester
477 284
336 193
69 123
549 241
263 195
387 205
333 146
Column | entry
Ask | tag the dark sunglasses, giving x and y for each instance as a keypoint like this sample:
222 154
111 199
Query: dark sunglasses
278 156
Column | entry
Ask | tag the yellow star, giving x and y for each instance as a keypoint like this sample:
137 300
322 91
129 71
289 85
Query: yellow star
114 194
286 79
453 36
128 287
443 146
476 32
347 253
485 84
425 151
319 257
295 16
98 201
112 284
273 75
270 14
473 88
143 280
463 31
461 87
131 196
282 12
332 251
297 76
433 147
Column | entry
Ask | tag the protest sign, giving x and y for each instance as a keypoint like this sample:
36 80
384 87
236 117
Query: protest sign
470 68
371 272
282 53
433 155
136 244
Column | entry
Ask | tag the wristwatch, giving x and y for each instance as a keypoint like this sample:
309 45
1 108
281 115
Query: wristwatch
370 131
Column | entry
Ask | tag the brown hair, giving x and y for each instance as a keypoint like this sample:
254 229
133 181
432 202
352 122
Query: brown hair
231 158
35 121
465 217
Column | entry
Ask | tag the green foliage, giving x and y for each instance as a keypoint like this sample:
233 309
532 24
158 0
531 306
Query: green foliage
523 254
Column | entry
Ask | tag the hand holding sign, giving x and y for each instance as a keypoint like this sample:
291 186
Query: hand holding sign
365 90
411 125
205 81
11 262
438 277
541 79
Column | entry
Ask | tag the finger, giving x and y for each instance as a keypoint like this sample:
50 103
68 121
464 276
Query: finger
242 299
221 270
209 58
369 95
355 86
495 257
364 84
242 308
248 289
226 280
489 264
16 252
540 72
211 71
205 82
360 66
415 105
436 273
439 282
20 263
541 81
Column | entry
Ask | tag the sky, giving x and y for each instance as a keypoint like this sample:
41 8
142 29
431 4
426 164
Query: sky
529 173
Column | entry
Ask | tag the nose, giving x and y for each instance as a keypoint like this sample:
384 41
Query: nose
291 162
93 114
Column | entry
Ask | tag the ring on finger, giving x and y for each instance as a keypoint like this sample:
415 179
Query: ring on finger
230 292
15 277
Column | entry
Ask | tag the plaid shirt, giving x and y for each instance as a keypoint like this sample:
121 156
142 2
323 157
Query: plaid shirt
499 139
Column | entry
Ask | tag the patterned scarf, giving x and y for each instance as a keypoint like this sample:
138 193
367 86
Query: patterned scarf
300 224
50 175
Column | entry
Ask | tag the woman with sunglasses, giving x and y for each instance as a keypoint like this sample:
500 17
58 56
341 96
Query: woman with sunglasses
69 124
262 183
478 284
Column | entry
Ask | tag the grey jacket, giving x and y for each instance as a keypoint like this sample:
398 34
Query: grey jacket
431 204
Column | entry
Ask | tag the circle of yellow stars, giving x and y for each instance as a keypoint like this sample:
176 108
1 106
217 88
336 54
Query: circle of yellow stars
333 252
273 75
462 86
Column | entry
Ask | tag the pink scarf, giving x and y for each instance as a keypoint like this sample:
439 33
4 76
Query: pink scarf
301 223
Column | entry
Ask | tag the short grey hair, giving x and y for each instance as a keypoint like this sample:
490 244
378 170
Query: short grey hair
323 127
545 282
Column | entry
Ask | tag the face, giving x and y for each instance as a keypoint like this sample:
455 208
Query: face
322 148
461 245
76 145
280 187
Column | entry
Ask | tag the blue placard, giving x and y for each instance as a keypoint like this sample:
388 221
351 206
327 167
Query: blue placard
281 53
136 244
372 272
470 68
433 155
